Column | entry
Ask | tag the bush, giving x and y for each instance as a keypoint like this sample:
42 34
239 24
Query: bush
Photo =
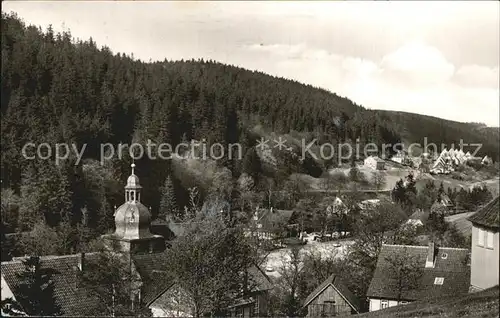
456 176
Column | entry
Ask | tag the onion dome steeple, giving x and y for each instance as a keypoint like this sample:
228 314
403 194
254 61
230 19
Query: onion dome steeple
133 219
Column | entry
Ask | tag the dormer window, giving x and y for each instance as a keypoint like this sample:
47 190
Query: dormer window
444 256
438 281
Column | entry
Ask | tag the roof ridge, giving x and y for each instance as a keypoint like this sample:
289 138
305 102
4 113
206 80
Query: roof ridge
19 259
453 248
426 246
401 245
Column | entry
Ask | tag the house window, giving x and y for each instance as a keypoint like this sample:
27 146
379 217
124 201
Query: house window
489 239
438 281
403 302
480 237
384 304
328 309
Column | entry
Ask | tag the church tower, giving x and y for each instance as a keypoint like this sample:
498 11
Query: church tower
132 223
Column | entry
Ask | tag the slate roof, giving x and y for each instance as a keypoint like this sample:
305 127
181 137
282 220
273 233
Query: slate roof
337 283
488 215
154 274
73 299
261 280
454 269
271 219
157 280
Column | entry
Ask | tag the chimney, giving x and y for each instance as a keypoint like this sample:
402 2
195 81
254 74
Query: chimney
81 262
431 254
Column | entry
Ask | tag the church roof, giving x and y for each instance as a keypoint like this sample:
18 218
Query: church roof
488 215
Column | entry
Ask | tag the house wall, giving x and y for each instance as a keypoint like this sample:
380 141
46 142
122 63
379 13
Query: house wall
262 300
175 302
6 292
376 303
370 162
484 261
329 294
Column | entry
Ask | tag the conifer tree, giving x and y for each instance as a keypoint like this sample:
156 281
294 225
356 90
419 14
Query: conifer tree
168 204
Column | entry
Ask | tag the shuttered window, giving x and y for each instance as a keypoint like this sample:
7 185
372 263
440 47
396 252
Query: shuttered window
489 239
480 237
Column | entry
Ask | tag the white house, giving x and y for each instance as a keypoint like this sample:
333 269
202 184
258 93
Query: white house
444 272
375 163
485 246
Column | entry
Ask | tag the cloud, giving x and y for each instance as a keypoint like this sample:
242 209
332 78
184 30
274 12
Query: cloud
415 77
418 63
478 76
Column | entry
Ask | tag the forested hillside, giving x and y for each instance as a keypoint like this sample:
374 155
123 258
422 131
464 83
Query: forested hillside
415 127
56 89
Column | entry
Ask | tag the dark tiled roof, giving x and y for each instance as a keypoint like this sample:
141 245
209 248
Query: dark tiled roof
154 275
271 219
337 283
73 299
260 279
454 269
488 215
157 280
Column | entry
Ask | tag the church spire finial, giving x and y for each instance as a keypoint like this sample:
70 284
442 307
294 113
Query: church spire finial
132 166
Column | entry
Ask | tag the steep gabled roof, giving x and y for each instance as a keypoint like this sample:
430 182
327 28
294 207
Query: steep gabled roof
273 218
73 298
157 279
453 268
335 282
259 278
154 275
488 215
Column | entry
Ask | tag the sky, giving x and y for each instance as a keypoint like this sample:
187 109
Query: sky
433 58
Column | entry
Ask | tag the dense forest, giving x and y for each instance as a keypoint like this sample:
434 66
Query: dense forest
56 89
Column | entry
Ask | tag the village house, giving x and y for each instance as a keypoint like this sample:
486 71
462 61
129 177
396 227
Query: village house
269 224
443 164
143 252
374 163
443 205
331 298
165 298
444 271
401 157
338 207
485 246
